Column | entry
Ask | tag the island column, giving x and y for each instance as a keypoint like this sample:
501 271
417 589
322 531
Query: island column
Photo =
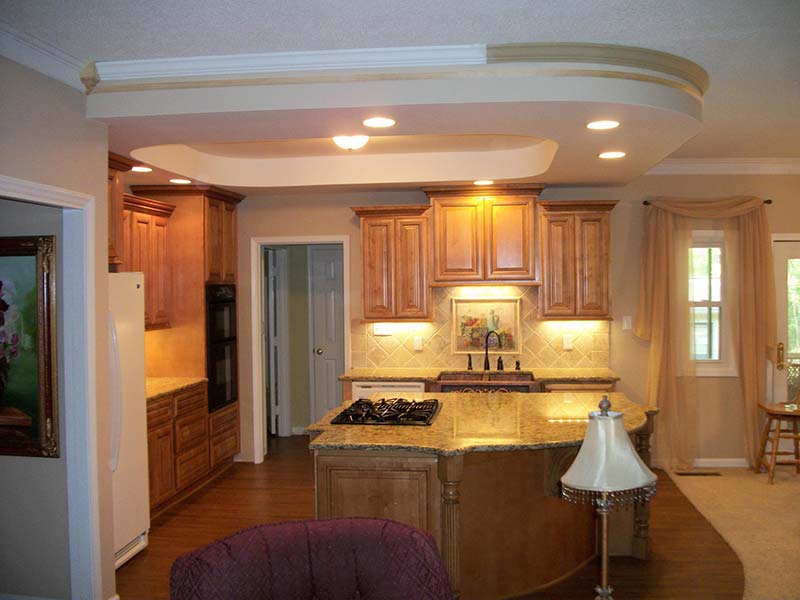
451 469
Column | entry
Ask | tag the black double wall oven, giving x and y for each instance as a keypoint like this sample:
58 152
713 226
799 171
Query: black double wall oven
221 345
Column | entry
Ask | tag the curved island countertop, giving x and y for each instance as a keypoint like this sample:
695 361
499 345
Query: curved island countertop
481 423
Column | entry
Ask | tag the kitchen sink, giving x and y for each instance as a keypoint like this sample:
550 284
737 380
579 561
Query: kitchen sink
486 381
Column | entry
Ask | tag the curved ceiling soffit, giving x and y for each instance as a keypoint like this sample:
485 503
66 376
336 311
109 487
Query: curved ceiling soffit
351 168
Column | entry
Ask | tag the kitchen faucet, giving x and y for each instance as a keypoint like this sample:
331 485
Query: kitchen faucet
486 365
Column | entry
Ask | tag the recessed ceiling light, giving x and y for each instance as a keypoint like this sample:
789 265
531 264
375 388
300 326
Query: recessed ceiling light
378 122
180 181
483 182
141 169
611 154
599 125
350 142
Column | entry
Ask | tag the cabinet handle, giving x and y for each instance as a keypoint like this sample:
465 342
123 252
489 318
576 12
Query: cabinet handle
781 357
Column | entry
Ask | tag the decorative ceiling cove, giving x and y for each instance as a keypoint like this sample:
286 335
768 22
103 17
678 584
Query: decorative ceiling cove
541 340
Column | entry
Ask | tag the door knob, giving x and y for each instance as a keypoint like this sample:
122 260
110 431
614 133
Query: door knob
318 351
781 364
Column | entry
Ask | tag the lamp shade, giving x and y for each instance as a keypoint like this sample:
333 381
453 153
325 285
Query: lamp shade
608 462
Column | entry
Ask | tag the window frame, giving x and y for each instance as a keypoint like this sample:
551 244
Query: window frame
725 366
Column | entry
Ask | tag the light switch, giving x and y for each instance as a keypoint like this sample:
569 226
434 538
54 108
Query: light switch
417 343
567 341
626 323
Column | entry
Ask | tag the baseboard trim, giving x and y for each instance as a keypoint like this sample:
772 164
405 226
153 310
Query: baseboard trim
298 430
720 463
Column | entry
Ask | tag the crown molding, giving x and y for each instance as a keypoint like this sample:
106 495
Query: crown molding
40 56
727 166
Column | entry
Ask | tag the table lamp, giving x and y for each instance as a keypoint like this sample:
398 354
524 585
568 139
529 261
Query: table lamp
608 473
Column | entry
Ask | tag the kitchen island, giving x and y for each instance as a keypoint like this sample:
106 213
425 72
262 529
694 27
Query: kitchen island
482 478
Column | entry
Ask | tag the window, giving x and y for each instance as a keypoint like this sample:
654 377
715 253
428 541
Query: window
710 336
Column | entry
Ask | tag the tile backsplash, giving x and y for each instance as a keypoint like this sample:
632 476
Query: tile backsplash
542 341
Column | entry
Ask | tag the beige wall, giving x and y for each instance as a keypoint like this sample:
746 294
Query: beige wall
46 139
720 411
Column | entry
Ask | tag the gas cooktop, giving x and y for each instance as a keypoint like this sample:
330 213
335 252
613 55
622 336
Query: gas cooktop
388 411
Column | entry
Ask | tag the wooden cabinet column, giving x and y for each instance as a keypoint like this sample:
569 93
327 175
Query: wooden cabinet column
117 167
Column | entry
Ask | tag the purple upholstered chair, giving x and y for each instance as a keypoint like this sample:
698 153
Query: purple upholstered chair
335 559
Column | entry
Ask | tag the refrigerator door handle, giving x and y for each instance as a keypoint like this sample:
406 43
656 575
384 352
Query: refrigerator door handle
116 392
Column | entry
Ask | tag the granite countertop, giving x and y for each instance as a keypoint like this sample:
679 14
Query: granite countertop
431 375
158 386
481 423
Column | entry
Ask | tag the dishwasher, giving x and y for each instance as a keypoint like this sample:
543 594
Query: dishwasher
363 390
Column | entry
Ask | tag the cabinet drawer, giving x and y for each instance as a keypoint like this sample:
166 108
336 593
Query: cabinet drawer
224 420
190 431
191 465
191 399
160 411
224 446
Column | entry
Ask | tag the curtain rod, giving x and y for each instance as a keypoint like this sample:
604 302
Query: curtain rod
767 201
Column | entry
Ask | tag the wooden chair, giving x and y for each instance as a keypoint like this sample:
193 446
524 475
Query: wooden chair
782 424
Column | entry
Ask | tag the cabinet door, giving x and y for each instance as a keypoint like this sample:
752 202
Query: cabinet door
591 254
411 268
459 238
509 238
158 292
377 245
557 295
214 259
229 242
161 463
141 259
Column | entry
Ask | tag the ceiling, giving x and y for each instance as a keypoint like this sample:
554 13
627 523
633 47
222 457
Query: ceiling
751 51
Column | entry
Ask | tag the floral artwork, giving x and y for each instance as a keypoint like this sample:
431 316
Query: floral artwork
27 408
474 319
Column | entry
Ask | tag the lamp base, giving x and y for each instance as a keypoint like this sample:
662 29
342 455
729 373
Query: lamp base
603 593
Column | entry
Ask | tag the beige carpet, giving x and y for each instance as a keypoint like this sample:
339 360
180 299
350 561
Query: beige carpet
761 522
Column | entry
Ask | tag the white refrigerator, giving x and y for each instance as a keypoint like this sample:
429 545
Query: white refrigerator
128 415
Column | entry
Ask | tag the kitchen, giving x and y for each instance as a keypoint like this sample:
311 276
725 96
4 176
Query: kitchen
313 197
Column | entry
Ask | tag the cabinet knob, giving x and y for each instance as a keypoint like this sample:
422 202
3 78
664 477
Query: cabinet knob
318 351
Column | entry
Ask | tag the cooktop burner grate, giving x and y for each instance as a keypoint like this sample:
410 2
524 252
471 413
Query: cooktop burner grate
388 411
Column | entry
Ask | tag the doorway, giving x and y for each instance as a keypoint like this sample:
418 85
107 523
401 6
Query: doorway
303 349
786 374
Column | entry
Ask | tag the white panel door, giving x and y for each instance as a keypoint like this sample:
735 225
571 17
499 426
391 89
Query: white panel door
326 315
786 376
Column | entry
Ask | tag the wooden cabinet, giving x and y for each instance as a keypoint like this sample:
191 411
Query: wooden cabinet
484 235
575 246
117 167
395 259
186 445
146 250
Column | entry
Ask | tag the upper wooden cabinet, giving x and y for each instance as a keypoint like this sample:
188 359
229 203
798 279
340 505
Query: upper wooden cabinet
484 235
395 258
117 167
146 249
575 244
218 229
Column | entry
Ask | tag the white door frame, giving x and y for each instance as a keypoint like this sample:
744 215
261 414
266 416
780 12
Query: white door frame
80 383
284 390
257 315
777 237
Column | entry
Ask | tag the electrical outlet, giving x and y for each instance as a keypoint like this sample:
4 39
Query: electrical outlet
566 343
417 343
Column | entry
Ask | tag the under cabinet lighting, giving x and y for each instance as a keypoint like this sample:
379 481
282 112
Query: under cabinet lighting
141 169
611 154
378 122
180 181
601 125
350 142
392 328
483 182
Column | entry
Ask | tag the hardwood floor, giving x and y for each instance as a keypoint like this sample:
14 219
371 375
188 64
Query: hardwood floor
689 559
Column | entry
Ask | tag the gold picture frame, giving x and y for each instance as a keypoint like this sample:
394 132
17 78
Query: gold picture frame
28 372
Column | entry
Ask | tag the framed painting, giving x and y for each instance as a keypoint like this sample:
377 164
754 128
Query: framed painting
28 400
474 319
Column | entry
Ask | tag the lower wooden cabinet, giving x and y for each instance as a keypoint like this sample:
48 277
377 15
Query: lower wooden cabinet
186 445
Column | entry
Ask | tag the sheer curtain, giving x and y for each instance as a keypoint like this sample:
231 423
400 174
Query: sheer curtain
663 317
